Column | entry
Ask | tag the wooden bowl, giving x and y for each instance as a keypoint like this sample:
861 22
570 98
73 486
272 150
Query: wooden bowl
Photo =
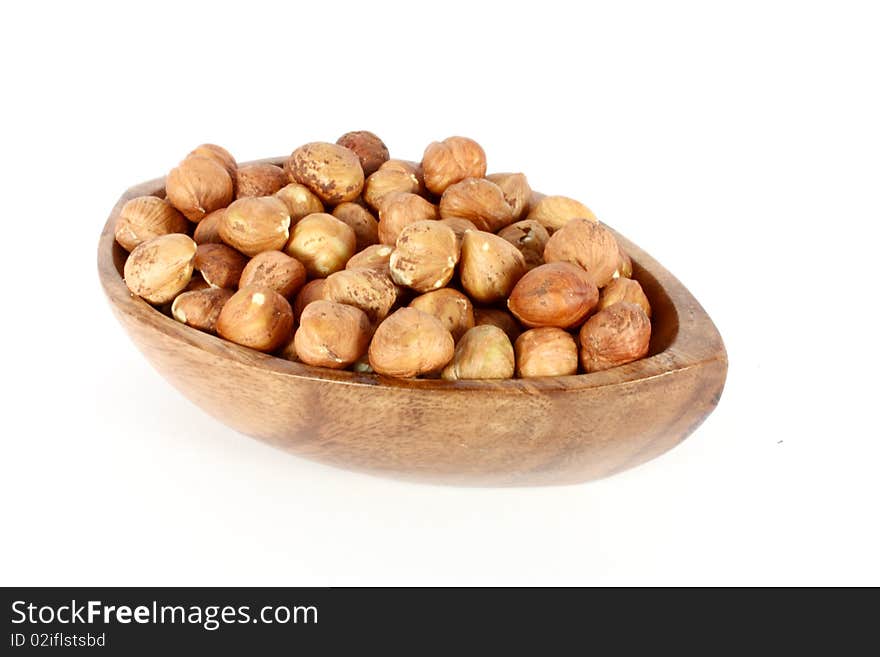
495 433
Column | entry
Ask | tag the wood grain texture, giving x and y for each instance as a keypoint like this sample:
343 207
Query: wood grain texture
485 433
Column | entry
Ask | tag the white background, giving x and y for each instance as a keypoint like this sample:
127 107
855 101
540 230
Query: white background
739 143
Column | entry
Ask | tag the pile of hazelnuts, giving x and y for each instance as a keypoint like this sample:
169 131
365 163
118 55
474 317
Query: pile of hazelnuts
347 259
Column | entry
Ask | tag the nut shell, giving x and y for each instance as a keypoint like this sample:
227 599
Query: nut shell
359 219
484 352
256 317
450 161
254 225
624 289
220 265
615 336
490 266
331 171
331 334
530 238
556 294
274 270
198 186
546 352
410 343
200 308
454 310
480 201
322 243
516 190
300 201
400 210
371 151
425 256
145 217
370 290
159 269
260 179
553 212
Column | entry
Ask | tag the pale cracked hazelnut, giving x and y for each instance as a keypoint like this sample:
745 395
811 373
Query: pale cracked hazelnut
490 266
310 292
624 289
425 256
392 177
256 317
530 238
376 257
208 229
500 318
254 225
300 201
159 269
450 161
410 343
220 265
219 154
145 217
198 186
516 190
557 294
200 308
371 151
322 243
553 212
546 351
332 172
260 179
484 352
478 200
364 224
331 334
400 210
275 270
370 290
454 310
617 335
589 245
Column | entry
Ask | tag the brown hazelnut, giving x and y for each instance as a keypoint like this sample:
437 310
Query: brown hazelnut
219 154
478 200
484 352
260 179
332 172
425 256
300 201
459 226
145 217
159 269
490 266
516 190
398 211
254 225
208 229
625 266
617 335
500 318
200 308
546 351
530 238
624 289
367 289
454 310
220 265
274 270
450 161
322 243
371 150
311 291
553 212
409 167
589 245
392 180
256 317
197 186
556 294
197 282
364 224
410 343
376 257
331 334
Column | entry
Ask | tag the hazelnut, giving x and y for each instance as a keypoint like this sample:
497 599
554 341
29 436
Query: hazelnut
459 226
260 179
409 167
274 270
364 224
254 225
208 229
288 352
399 210
410 343
256 317
299 201
454 310
500 318
159 269
478 200
331 334
624 289
384 182
332 172
530 238
376 257
219 154
371 150
546 351
484 352
490 266
450 161
624 266
614 336
425 256
322 243
311 291
197 186
589 245
220 265
145 217
553 212
197 282
556 294
367 289
516 190
200 308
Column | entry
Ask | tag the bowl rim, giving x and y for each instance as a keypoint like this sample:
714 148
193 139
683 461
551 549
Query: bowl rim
695 343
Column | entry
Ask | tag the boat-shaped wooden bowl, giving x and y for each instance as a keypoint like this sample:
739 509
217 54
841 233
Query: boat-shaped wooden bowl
495 433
